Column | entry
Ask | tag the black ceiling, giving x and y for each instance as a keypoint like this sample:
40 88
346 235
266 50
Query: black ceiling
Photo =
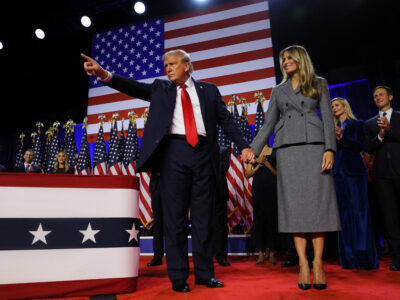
43 79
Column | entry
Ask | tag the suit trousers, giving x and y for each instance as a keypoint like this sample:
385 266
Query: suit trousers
187 182
388 194
158 233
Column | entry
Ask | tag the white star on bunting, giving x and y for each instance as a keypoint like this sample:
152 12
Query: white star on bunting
132 233
89 234
39 234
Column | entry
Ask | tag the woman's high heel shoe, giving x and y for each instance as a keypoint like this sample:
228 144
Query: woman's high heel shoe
304 286
319 286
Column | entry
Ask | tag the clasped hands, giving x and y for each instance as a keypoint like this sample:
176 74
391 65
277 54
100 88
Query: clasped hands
248 156
384 124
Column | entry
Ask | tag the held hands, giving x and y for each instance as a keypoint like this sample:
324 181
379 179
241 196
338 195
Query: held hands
383 123
327 161
248 156
92 68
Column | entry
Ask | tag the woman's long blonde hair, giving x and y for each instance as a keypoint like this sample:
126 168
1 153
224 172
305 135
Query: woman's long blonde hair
66 165
347 109
310 86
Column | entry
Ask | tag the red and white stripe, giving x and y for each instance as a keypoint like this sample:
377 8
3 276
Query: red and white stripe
248 197
230 46
115 169
100 169
235 183
130 170
145 210
83 172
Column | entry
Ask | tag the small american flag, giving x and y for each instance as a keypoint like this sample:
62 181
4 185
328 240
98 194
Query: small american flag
100 155
19 159
53 148
260 113
131 150
37 146
121 144
113 152
71 150
84 165
247 182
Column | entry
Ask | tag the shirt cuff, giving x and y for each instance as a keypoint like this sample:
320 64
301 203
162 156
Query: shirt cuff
107 79
380 139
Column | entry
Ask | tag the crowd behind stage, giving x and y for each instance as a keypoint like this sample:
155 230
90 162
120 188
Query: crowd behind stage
366 181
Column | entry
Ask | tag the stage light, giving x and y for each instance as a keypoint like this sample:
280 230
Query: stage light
139 7
39 33
1 45
201 1
85 20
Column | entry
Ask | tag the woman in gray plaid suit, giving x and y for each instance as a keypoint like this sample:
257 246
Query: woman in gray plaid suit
305 145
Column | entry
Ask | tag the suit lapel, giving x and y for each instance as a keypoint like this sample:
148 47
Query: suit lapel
171 100
292 94
201 93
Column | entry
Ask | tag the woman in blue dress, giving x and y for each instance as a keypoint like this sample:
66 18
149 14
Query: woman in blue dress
356 240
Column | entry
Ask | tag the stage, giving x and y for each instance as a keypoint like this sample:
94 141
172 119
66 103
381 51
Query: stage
245 280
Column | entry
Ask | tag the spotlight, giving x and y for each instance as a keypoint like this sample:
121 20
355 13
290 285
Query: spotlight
85 20
201 1
139 7
1 45
39 33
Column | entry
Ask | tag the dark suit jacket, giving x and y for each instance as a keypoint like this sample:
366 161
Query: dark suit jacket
35 169
162 95
348 157
387 153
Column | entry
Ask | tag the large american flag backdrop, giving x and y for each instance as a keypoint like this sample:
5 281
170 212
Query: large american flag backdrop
230 46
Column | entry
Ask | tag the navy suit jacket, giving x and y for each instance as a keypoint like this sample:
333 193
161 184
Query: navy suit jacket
35 169
162 97
387 152
348 157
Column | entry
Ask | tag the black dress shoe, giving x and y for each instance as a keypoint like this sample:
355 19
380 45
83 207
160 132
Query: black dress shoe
289 263
180 285
319 286
394 267
155 262
304 286
222 261
211 283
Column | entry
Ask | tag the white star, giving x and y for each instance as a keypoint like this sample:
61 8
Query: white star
39 234
132 233
89 234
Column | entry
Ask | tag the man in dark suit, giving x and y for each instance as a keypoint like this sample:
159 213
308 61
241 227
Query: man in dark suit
181 141
28 167
383 140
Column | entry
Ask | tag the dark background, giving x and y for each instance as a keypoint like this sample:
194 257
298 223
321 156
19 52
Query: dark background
44 79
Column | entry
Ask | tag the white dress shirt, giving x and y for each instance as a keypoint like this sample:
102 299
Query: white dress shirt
178 124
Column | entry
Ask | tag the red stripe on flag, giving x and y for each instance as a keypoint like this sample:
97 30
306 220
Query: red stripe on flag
232 59
213 9
226 41
258 16
93 118
242 77
109 98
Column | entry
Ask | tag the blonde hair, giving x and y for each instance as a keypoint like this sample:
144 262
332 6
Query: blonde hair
347 109
310 86
183 55
66 165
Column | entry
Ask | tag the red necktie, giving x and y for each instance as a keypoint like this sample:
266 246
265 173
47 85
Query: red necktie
188 117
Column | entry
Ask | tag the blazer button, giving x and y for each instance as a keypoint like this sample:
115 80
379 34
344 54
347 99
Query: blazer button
302 102
302 114
157 141
290 116
287 104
